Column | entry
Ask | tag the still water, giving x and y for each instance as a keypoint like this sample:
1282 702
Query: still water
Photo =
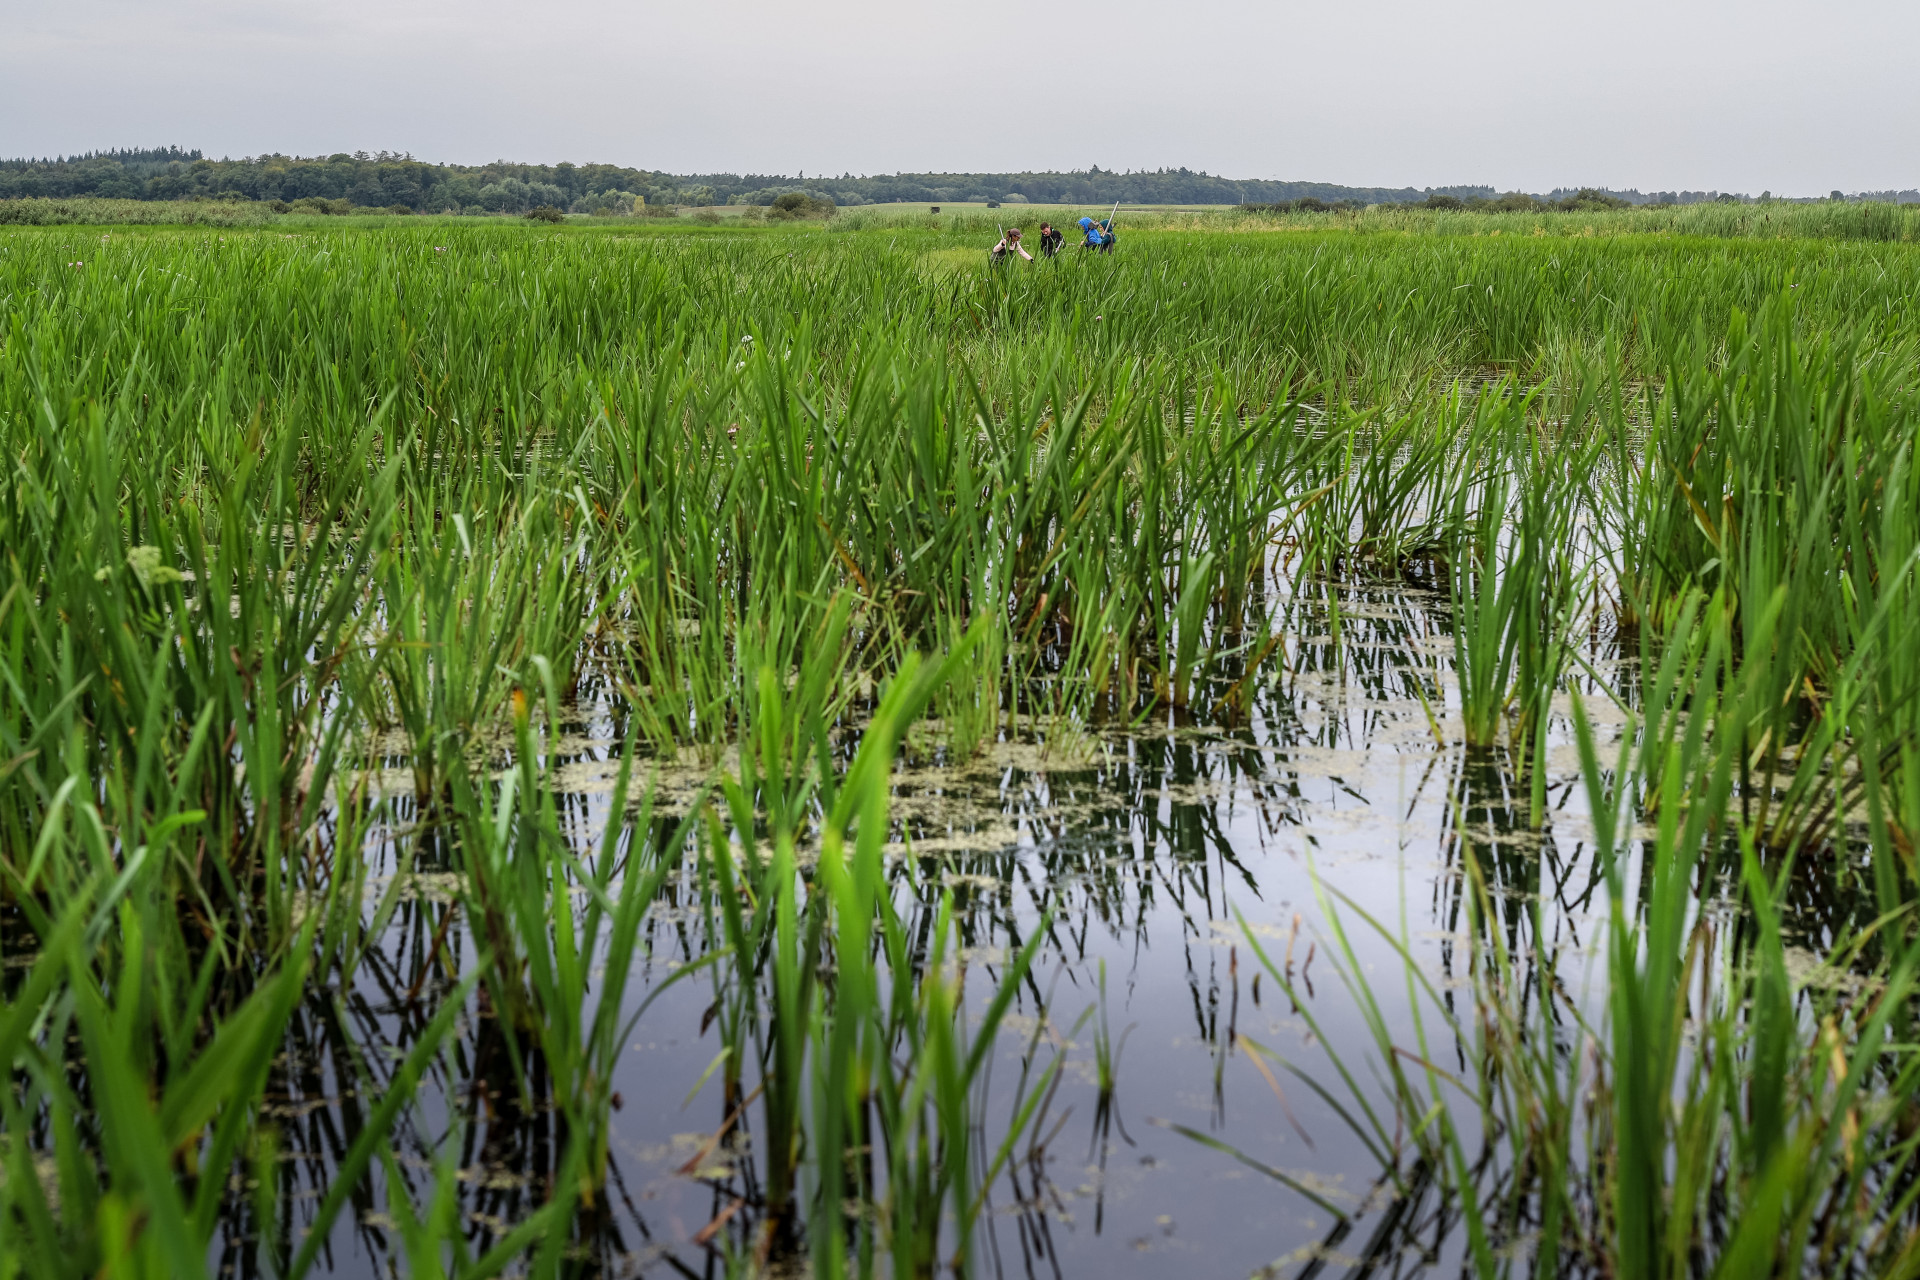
1165 854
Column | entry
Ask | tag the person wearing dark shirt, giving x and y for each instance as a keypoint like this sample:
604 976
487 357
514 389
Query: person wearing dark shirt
1008 246
1050 240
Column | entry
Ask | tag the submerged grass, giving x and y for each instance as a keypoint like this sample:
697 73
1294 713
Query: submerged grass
285 513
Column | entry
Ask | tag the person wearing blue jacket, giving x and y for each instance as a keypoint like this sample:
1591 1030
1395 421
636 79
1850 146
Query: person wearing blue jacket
1099 233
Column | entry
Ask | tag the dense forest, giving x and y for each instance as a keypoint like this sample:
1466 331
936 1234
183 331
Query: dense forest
399 182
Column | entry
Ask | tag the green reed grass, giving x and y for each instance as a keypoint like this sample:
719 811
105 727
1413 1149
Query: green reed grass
1714 1120
283 507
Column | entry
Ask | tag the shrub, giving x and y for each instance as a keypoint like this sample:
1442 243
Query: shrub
1587 198
798 204
320 204
544 213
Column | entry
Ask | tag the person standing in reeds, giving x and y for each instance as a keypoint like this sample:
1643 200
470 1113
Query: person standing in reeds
1050 240
1099 233
1008 246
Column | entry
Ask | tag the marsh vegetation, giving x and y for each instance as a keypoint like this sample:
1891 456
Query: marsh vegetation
531 751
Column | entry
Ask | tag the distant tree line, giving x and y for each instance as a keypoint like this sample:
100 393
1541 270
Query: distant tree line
396 181
387 179
1585 199
339 182
1093 186
1582 200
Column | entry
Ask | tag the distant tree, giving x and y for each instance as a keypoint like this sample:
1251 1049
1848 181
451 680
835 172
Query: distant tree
496 197
1588 199
609 203
1440 200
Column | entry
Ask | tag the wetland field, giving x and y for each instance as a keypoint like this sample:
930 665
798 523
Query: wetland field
1302 751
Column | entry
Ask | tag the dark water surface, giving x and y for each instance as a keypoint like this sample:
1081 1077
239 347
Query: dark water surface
1158 849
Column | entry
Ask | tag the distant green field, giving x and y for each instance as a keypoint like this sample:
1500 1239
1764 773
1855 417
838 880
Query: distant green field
1773 221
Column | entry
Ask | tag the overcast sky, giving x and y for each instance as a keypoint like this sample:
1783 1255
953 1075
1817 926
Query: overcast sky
1799 97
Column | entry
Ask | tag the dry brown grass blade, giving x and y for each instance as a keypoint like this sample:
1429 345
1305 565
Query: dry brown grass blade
1255 1054
712 1144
